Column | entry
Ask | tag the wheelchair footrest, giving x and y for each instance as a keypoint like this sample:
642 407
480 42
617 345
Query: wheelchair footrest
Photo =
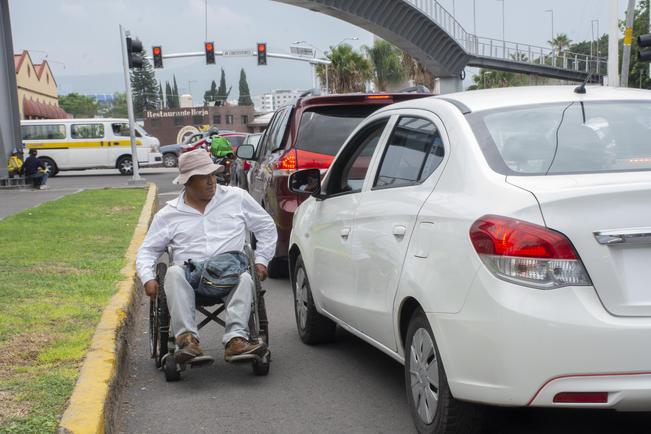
201 361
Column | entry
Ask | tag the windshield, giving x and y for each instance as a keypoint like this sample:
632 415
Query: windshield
324 130
571 137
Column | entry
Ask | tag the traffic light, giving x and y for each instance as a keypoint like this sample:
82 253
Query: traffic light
210 53
644 45
134 52
262 53
157 51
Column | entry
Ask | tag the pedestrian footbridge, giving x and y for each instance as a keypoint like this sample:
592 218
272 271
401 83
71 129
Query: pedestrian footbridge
429 33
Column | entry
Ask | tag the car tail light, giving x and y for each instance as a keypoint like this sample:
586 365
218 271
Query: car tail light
526 253
286 162
312 160
581 398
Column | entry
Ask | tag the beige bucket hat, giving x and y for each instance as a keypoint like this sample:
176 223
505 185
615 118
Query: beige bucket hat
197 162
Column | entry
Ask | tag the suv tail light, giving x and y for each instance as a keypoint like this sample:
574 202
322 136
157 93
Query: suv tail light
286 164
295 160
527 254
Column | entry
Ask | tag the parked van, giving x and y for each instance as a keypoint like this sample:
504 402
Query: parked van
77 144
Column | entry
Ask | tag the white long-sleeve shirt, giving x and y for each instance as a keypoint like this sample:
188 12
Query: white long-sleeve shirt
221 228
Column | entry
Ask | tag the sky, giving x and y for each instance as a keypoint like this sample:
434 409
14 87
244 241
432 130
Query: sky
80 38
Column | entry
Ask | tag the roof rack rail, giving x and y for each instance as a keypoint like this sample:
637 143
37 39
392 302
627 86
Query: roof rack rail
311 92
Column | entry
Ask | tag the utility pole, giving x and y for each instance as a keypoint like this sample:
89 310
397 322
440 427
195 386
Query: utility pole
613 42
135 179
628 40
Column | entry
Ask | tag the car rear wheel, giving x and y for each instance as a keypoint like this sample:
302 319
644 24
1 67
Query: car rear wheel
433 408
125 165
313 328
170 160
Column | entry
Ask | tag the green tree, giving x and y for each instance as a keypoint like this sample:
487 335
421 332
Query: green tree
560 43
245 94
210 95
119 107
348 72
175 94
416 72
639 71
222 92
387 66
79 106
168 95
144 87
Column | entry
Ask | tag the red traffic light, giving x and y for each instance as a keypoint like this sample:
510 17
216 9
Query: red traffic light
156 51
262 47
210 53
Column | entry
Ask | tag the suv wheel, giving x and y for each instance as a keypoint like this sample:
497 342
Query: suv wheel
125 165
313 328
50 166
170 160
433 408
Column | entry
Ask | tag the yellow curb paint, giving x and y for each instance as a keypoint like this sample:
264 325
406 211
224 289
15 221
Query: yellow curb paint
86 409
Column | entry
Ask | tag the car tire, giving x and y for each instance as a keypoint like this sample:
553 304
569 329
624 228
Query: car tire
125 165
433 408
50 166
313 328
170 160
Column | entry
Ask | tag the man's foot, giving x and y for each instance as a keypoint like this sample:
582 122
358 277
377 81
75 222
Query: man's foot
43 187
239 349
188 348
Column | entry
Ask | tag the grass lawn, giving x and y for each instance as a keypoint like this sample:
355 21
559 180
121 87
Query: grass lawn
59 265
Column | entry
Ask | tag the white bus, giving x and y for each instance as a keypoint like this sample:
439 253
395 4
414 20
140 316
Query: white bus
77 144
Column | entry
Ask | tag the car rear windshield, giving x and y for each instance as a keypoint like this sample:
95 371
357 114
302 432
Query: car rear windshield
325 129
235 140
570 137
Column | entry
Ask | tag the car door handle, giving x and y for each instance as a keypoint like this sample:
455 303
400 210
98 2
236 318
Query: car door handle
344 233
399 230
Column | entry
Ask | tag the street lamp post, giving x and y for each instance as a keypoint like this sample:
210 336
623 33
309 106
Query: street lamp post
474 16
552 13
503 37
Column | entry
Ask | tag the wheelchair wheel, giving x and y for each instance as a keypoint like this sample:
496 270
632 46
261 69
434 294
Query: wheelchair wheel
170 368
159 319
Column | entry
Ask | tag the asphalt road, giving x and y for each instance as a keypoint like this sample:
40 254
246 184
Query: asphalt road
343 387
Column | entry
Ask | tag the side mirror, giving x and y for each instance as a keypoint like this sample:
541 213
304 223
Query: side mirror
306 182
246 152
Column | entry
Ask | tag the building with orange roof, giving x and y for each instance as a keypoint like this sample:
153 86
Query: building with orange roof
38 97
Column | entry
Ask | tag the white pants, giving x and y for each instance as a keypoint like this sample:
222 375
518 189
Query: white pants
180 302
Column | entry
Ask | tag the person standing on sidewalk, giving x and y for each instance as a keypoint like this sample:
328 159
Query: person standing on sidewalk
35 171
204 221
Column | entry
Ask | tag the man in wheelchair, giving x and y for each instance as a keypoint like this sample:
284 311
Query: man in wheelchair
206 222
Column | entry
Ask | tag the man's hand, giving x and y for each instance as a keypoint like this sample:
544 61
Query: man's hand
151 288
261 270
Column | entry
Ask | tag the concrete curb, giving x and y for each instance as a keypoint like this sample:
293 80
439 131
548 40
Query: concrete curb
93 403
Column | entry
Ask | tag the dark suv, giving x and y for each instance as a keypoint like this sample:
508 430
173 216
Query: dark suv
305 135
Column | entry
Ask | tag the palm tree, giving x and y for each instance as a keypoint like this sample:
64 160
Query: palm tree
560 43
386 61
348 72
416 72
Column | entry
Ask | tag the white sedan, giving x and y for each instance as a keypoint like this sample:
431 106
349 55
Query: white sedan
497 243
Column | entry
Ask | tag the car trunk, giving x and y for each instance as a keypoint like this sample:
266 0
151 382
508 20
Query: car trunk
617 205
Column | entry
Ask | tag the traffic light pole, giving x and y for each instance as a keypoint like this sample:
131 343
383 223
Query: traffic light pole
135 179
628 40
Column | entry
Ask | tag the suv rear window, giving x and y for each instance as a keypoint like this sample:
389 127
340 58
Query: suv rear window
571 137
324 130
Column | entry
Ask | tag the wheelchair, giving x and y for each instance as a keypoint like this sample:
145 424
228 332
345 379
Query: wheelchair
161 339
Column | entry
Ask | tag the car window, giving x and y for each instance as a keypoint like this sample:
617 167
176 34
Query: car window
43 132
276 137
87 131
350 170
569 137
323 130
412 154
122 130
265 137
